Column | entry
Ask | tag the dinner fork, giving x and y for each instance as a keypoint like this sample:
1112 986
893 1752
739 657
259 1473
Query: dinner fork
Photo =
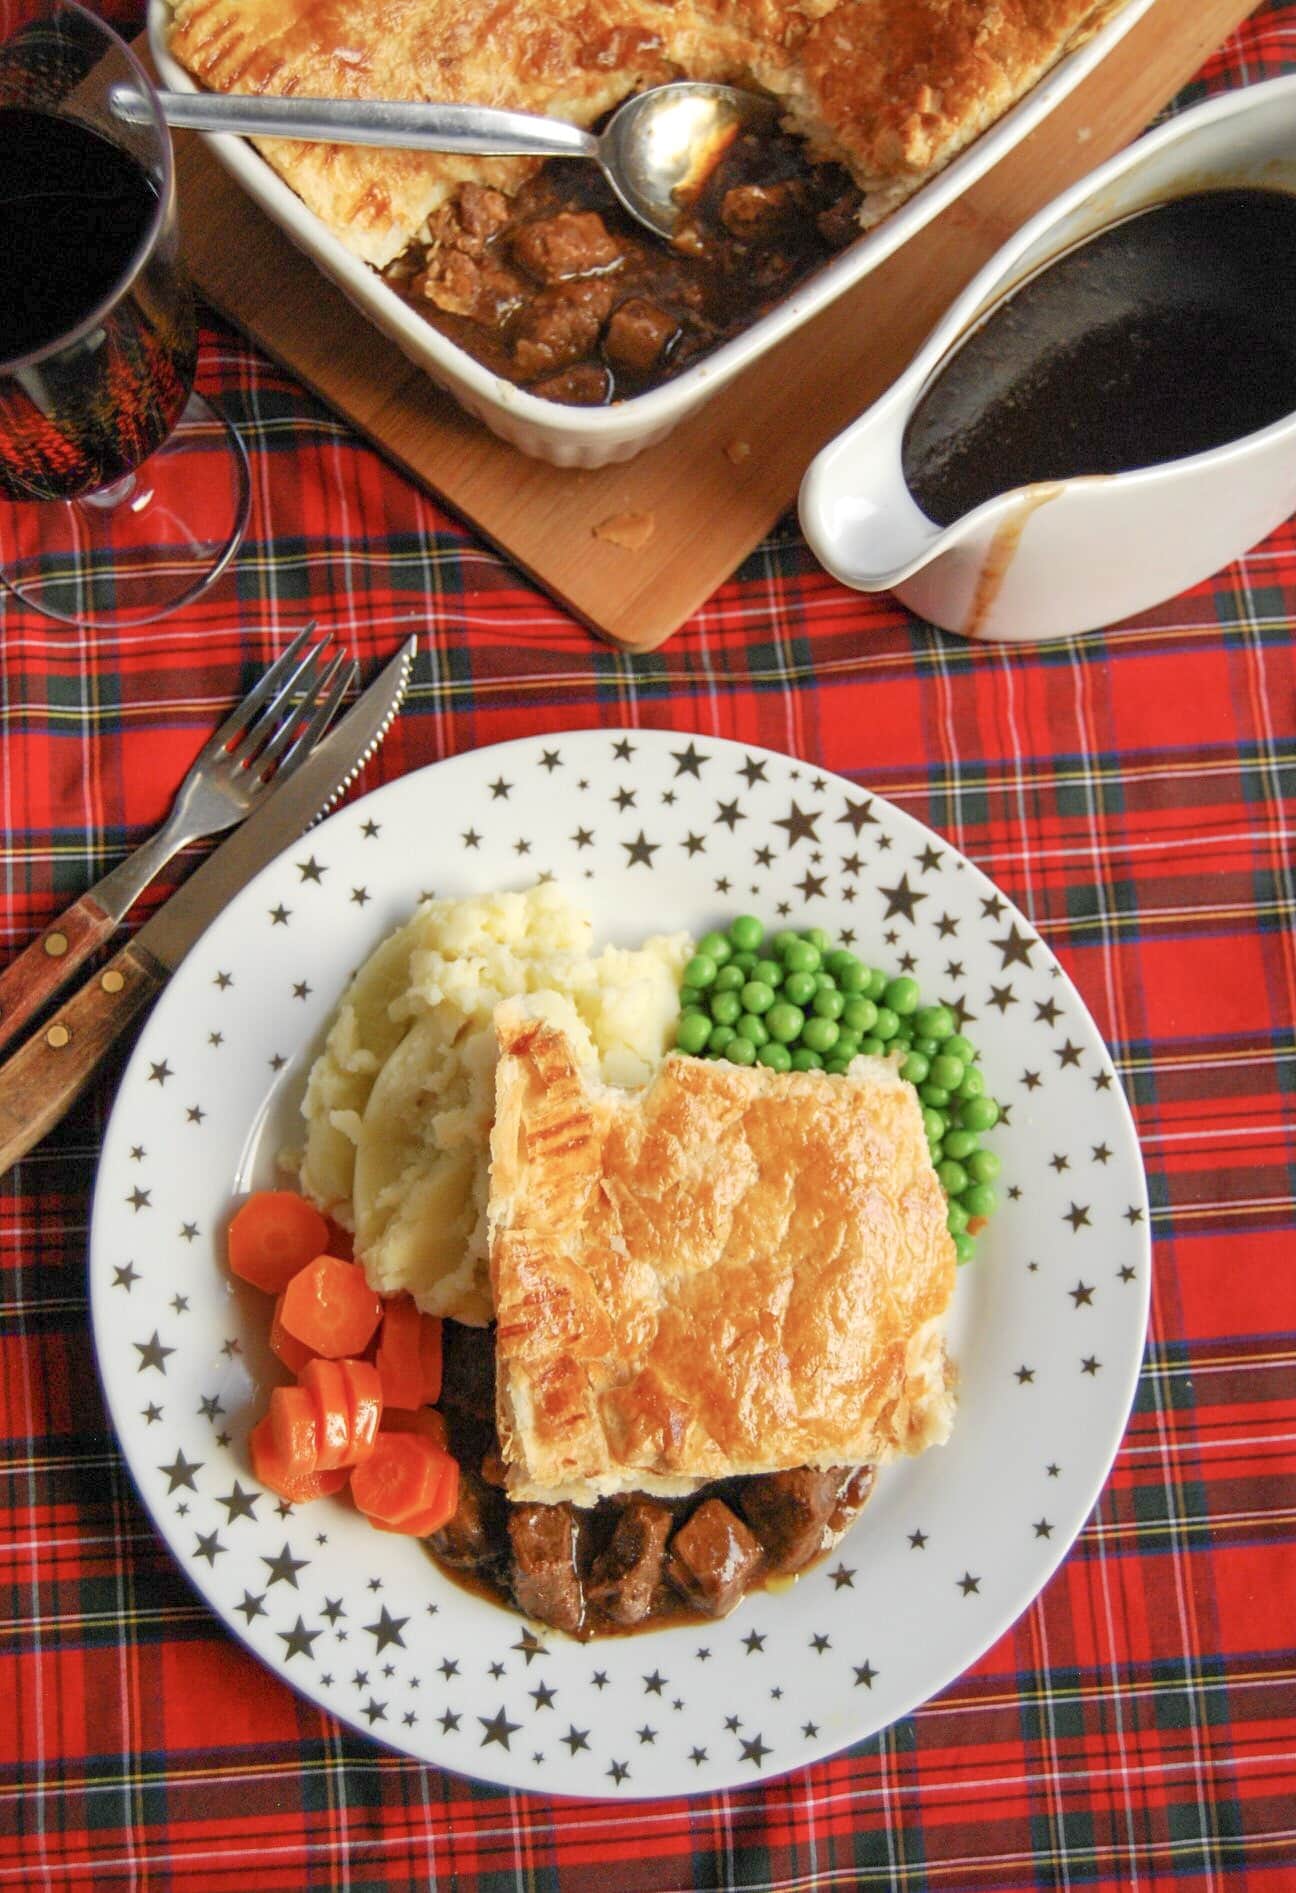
261 742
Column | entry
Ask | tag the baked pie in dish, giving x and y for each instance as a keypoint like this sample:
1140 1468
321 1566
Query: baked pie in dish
524 263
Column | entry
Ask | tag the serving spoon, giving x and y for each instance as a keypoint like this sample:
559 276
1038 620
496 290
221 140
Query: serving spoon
655 151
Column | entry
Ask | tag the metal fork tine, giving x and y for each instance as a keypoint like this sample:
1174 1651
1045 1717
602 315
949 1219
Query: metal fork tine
265 687
305 680
291 723
338 679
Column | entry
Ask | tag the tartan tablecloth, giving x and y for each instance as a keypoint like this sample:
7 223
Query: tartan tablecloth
1131 790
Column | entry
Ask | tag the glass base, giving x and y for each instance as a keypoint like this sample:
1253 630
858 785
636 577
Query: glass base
139 549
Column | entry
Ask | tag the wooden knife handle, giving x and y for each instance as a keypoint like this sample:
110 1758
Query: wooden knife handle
42 1080
50 961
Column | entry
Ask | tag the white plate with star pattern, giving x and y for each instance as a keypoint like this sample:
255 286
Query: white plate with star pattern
654 830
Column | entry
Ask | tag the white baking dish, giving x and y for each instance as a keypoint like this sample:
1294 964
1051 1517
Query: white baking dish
591 437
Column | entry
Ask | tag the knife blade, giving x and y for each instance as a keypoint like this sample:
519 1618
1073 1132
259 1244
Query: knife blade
41 1081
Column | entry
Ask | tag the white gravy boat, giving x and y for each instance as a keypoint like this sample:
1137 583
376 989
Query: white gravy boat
1048 560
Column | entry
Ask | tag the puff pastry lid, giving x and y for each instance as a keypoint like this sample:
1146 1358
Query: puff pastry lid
732 1271
891 89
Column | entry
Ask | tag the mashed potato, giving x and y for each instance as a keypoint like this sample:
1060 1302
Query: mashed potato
399 1104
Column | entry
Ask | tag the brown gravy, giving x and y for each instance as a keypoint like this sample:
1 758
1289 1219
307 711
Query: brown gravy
1165 335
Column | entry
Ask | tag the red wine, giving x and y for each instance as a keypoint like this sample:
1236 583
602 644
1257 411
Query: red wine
76 210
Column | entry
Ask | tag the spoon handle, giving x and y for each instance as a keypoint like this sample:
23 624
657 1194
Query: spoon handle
414 127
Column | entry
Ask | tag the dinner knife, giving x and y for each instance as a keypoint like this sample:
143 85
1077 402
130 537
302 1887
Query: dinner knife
41 1081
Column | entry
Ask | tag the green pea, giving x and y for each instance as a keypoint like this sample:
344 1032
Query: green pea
741 1051
820 1035
726 1008
973 1084
752 1026
872 1046
729 979
914 1068
746 933
767 970
954 1178
689 996
799 988
886 1025
959 1047
804 1059
928 1047
837 1066
692 1032
936 1152
983 1166
701 970
838 961
934 1022
824 982
947 1071
853 978
847 1045
721 1037
935 1095
757 996
745 961
716 946
818 939
802 956
933 1124
978 1199
979 1114
956 1221
828 1003
964 1248
960 1144
902 995
877 985
859 1014
775 1057
782 940
784 1021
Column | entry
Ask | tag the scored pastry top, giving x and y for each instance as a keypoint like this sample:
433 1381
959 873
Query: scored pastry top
732 1271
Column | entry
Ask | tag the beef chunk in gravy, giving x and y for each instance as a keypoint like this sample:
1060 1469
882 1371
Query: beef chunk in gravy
471 1540
546 1581
791 1512
639 334
624 1577
561 325
468 1370
713 1558
574 243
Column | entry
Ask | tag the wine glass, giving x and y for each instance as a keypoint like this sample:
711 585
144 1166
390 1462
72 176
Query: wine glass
122 493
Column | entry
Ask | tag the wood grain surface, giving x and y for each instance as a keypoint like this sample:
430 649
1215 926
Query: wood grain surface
708 506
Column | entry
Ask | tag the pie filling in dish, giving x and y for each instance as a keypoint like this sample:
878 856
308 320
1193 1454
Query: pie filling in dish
529 265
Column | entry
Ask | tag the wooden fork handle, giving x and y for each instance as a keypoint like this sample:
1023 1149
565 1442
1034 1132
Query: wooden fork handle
41 1081
45 966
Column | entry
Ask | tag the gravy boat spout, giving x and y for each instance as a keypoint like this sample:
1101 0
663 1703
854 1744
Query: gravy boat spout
1071 555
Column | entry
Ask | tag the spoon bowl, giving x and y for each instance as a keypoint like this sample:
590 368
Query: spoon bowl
656 151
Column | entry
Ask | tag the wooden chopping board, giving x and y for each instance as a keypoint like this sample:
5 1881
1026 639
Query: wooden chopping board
709 500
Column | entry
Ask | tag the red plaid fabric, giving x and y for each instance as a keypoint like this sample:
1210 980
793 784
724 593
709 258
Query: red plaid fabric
1131 790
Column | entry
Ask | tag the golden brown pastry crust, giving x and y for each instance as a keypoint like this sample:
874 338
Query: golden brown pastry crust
731 1271
892 89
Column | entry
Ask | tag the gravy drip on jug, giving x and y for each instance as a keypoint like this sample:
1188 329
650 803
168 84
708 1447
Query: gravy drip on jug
1164 335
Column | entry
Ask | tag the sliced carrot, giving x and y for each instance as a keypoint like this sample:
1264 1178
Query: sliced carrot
429 1421
293 1353
295 1427
434 1516
330 1307
364 1394
272 1236
399 1480
288 1481
325 1383
399 1359
430 1357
